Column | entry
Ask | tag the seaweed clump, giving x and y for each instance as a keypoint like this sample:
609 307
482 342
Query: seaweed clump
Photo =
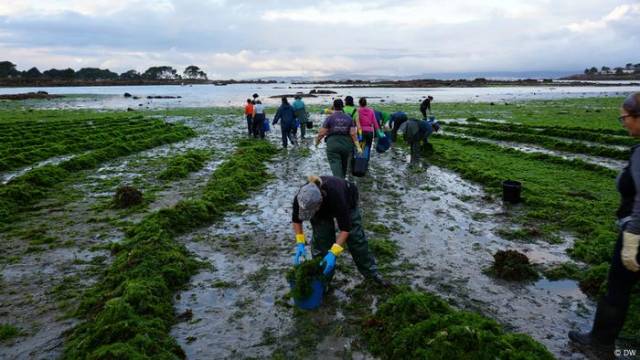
127 196
418 325
512 265
181 165
302 276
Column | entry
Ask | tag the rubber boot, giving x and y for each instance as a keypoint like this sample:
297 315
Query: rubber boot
602 337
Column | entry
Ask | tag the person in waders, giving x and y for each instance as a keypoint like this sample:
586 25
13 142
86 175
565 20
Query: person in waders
248 113
339 132
288 123
323 201
302 117
425 106
395 121
624 271
259 117
416 135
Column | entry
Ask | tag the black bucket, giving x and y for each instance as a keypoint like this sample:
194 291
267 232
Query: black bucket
511 191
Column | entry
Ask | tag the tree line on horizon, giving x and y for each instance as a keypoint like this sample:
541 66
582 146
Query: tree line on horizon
8 70
620 70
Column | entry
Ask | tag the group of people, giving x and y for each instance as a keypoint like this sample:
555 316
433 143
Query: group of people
348 130
291 117
329 200
325 201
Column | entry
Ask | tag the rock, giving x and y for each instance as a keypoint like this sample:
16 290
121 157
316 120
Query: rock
127 95
163 97
321 92
512 265
130 109
127 196
31 95
136 97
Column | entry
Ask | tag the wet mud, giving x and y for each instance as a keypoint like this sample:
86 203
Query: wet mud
444 226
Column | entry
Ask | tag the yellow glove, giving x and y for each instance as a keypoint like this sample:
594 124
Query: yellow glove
336 249
358 147
300 239
629 251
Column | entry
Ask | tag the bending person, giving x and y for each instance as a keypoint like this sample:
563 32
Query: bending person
322 201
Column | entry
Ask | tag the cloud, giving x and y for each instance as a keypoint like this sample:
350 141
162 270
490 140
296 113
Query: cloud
629 12
245 38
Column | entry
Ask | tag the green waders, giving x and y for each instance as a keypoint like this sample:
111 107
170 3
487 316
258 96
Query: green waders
324 236
339 153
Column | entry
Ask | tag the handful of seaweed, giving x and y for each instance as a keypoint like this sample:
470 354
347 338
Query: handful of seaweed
301 276
512 265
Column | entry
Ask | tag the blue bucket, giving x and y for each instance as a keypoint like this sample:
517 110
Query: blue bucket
315 300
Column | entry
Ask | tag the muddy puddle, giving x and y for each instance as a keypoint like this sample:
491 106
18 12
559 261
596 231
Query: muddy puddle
445 228
597 160
9 175
49 258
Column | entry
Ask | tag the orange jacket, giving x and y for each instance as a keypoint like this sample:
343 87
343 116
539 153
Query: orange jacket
248 109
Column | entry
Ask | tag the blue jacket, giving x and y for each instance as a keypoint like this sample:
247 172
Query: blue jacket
286 113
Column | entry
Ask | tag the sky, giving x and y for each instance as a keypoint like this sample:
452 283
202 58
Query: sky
266 38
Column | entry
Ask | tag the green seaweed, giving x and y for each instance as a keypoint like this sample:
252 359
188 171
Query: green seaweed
567 270
302 276
8 331
180 166
512 265
545 141
415 324
23 191
129 312
384 250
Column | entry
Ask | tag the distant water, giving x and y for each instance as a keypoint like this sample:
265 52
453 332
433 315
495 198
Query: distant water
111 97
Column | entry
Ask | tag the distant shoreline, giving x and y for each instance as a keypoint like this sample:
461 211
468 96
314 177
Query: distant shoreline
603 77
480 82
64 83
576 80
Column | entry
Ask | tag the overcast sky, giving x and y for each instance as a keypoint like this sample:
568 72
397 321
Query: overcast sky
244 39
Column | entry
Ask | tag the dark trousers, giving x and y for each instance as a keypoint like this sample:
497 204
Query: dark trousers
288 133
621 282
339 152
396 125
257 127
250 124
324 236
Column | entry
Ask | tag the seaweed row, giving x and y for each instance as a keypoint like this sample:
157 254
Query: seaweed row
545 141
129 312
568 133
18 156
25 190
33 137
42 119
181 165
418 325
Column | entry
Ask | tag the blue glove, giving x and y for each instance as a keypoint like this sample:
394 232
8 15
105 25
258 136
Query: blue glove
299 253
329 262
